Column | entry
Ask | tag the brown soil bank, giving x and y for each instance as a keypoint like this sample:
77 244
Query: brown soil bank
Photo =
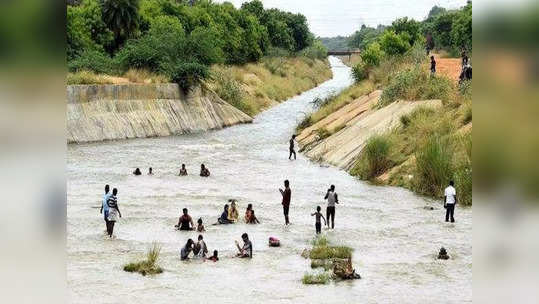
108 112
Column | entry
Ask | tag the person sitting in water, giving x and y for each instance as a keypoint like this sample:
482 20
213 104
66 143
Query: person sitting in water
200 250
150 172
253 219
185 222
137 172
247 250
248 213
183 171
232 211
184 253
204 171
200 226
223 219
214 257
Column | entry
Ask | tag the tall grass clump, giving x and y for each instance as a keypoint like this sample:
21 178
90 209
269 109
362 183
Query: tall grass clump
374 159
86 77
312 278
320 241
330 252
463 184
144 76
305 123
360 72
230 90
434 167
148 266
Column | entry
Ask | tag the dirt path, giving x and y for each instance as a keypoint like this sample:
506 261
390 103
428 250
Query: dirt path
449 67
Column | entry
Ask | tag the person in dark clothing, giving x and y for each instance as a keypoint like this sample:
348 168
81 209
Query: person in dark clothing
183 171
114 211
287 195
318 223
432 65
450 199
292 151
214 257
333 199
185 222
137 172
204 171
465 59
150 171
223 219
189 246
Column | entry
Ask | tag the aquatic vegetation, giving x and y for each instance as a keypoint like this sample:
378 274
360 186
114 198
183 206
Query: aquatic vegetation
319 278
148 266
330 252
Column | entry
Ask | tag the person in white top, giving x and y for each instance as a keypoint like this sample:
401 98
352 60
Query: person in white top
332 198
450 200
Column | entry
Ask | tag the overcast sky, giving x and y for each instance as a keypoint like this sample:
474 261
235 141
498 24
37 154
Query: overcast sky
328 18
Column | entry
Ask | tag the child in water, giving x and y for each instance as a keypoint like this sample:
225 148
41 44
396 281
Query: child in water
200 227
253 219
214 257
318 224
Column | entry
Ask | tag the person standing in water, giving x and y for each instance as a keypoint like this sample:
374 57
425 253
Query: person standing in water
105 207
332 198
150 171
287 195
185 222
318 223
114 211
183 171
292 151
450 199
137 172
204 171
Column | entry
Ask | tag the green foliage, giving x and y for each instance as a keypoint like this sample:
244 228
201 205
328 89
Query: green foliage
323 133
330 252
189 74
121 16
92 60
320 241
148 266
320 278
374 159
434 167
372 55
461 31
463 183
393 44
407 29
230 90
451 30
339 43
316 51
415 84
360 72
305 123
365 36
405 120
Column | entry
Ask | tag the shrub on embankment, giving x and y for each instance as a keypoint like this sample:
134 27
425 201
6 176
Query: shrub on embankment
374 159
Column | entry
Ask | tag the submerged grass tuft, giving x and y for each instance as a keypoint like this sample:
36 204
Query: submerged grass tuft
318 278
330 252
148 266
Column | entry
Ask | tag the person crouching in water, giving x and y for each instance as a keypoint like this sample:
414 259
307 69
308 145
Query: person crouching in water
224 216
114 211
183 171
214 257
233 211
137 172
184 253
318 224
185 222
204 171
200 226
247 250
200 250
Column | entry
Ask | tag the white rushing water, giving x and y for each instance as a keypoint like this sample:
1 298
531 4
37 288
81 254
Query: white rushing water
394 238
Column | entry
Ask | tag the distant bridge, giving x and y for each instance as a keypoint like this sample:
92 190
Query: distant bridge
343 53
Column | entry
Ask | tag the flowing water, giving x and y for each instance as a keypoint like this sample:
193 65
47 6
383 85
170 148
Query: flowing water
394 238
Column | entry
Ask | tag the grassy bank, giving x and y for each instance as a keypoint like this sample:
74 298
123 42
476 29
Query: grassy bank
256 86
430 146
251 87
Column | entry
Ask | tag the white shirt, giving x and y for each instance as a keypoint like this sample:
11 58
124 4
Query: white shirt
450 193
331 199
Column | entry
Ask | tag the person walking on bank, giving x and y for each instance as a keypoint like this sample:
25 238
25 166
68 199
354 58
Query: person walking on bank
333 199
292 151
287 194
450 200
105 207
432 66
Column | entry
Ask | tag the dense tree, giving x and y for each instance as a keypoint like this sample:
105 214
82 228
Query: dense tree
122 18
435 11
366 35
406 28
393 44
461 31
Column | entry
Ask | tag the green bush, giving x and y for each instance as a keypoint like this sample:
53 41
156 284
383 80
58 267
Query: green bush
405 120
316 51
372 55
434 167
148 266
360 72
189 74
92 60
330 252
463 184
230 90
374 159
393 44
